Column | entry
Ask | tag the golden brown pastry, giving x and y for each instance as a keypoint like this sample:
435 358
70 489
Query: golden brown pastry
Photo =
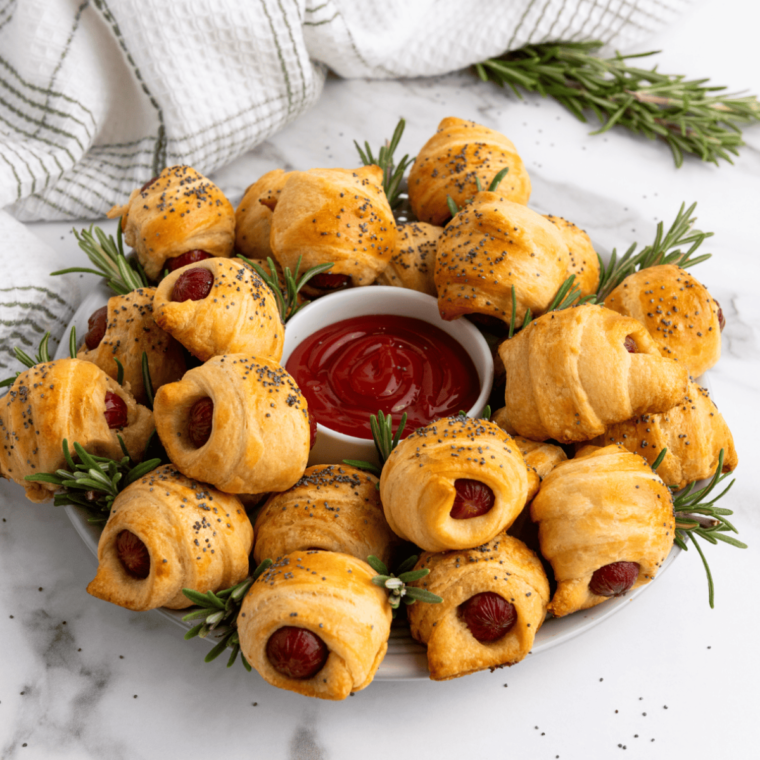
693 432
494 601
71 399
490 246
583 261
334 215
453 484
165 533
332 507
605 523
682 317
253 219
571 373
220 306
238 422
123 330
413 264
315 623
176 212
450 161
540 458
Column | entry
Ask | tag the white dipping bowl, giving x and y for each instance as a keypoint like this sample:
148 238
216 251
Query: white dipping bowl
332 447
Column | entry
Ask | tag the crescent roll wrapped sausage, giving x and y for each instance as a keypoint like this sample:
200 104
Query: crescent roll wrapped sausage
583 261
571 373
315 623
413 264
605 523
490 246
238 422
453 484
494 601
220 306
693 432
165 533
66 399
253 219
334 215
176 212
682 317
123 330
332 507
450 161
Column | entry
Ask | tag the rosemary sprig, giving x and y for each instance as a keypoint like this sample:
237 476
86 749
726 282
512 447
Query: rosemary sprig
566 296
147 382
93 482
385 441
287 299
690 115
219 613
698 516
41 357
108 257
454 209
485 414
665 249
392 175
396 583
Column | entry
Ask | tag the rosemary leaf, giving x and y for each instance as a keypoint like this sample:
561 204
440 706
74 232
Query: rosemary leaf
392 174
691 116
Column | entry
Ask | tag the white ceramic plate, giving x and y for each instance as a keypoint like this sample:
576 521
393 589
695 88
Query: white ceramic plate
406 658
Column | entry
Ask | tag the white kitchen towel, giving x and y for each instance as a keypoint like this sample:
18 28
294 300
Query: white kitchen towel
31 301
97 96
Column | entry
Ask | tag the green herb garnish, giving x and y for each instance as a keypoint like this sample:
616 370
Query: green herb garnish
392 175
93 482
385 441
287 299
107 255
219 612
698 516
690 115
396 584
665 249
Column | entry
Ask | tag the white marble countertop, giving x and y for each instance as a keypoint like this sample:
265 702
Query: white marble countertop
666 677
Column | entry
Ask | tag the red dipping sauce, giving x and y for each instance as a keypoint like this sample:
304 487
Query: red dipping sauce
356 367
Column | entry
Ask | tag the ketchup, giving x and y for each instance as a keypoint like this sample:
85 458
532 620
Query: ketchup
354 368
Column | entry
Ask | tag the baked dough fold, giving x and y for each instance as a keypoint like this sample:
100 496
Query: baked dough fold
693 432
331 595
178 211
604 506
450 161
259 438
253 219
197 537
583 260
677 310
413 264
239 315
130 330
540 458
491 246
504 566
417 486
334 215
332 507
63 399
569 374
